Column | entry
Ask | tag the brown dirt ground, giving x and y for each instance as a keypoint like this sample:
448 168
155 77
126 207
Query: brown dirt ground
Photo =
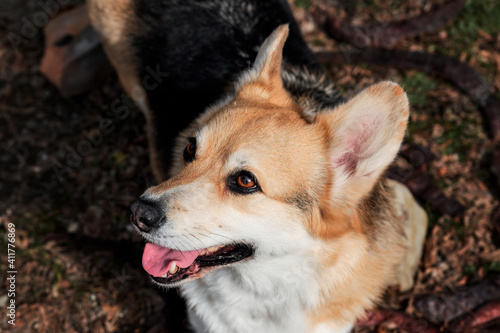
77 257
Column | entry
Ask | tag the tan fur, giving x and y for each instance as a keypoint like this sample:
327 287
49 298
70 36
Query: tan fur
379 247
369 223
303 163
115 21
414 222
247 117
291 158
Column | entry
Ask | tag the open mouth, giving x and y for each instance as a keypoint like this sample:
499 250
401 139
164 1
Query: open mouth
169 266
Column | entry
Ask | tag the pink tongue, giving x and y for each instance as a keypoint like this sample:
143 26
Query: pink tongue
157 260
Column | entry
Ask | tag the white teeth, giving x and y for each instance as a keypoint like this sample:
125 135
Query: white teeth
203 252
173 269
213 248
164 275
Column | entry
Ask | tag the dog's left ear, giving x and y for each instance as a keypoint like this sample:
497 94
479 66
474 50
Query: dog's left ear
364 136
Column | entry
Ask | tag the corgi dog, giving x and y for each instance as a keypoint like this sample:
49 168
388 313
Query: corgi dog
277 216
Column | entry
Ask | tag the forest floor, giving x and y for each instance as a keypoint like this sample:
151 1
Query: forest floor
78 259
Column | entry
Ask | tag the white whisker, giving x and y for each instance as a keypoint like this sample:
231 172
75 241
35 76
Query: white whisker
192 243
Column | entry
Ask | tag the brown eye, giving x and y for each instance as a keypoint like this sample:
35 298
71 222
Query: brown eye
191 148
190 151
245 181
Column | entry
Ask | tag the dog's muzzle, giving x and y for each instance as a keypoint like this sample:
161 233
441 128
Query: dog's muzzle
146 215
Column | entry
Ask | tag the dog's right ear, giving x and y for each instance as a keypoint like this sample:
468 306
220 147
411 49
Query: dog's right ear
267 65
265 75
263 81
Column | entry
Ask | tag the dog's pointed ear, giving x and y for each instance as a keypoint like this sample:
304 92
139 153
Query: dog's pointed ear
267 65
364 136
263 81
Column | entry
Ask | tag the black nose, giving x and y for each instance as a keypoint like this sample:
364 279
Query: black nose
146 215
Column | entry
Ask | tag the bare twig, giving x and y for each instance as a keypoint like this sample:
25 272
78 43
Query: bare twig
481 317
397 320
422 186
447 307
449 68
386 35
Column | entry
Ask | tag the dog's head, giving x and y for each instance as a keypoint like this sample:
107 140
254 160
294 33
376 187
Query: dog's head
259 177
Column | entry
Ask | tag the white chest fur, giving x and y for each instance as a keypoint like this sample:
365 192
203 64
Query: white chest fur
267 295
